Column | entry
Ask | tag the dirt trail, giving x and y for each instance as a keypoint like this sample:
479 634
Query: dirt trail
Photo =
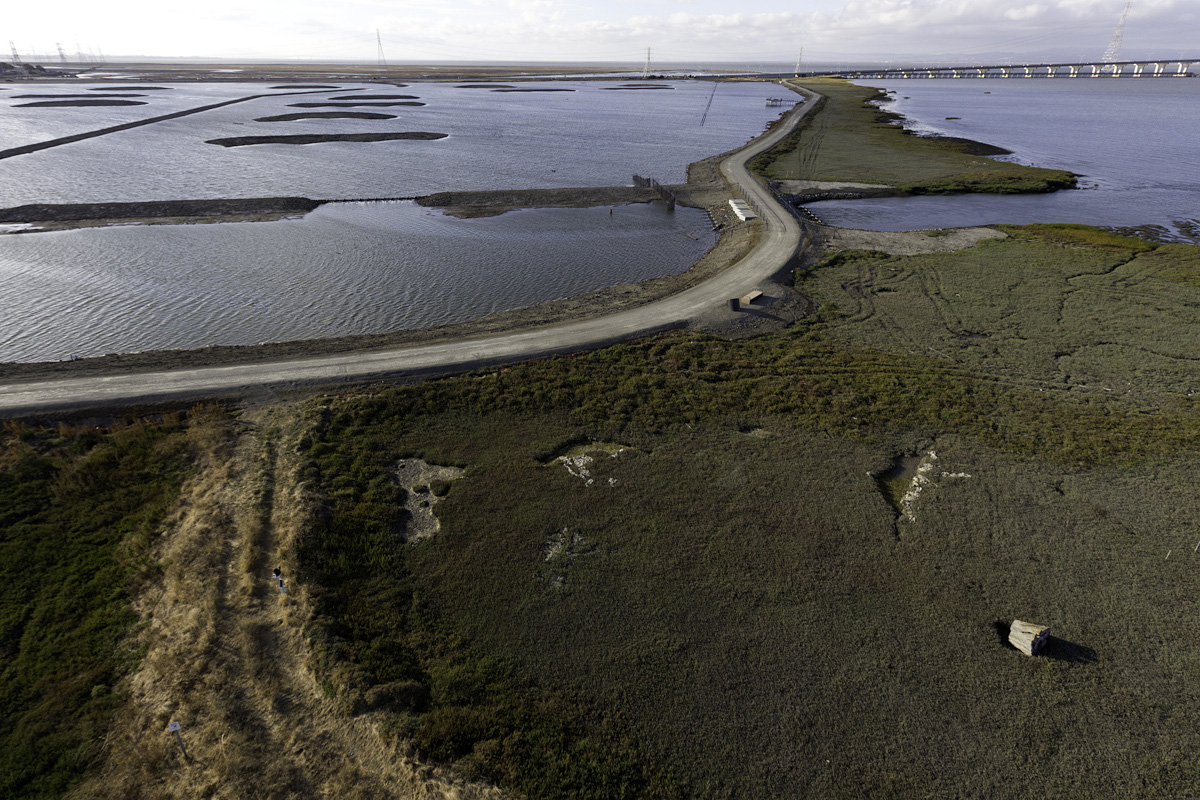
226 657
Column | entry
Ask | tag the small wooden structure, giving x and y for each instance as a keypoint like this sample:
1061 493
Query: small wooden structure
749 298
1028 637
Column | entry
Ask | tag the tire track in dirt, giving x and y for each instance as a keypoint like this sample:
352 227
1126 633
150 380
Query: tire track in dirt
225 653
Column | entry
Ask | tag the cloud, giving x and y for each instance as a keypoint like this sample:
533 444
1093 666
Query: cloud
679 30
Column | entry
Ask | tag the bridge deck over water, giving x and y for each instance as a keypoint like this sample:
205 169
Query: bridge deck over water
1143 68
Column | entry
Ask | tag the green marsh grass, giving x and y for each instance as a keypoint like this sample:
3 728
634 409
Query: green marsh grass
738 590
79 509
850 139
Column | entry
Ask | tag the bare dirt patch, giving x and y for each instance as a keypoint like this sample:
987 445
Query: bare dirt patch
906 243
424 485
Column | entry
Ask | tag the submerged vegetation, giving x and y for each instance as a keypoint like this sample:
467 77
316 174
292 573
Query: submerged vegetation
850 139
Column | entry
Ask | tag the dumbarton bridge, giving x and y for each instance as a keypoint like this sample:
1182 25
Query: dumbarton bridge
1145 68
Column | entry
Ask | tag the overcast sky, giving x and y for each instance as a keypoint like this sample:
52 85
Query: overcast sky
603 30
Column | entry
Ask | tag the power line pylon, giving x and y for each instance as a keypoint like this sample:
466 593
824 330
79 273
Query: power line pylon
799 56
646 69
16 58
1114 47
62 57
382 58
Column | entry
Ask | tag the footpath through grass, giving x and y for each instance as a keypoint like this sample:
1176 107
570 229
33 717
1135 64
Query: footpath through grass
849 139
731 608
79 507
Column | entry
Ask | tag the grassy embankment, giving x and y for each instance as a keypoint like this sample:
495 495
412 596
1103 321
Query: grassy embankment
852 140
740 608
79 508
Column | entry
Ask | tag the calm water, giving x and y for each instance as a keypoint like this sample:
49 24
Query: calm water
587 136
1134 143
346 268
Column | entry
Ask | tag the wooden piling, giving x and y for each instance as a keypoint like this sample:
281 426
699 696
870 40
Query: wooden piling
1028 637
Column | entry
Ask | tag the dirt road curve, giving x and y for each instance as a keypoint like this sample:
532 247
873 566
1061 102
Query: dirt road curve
778 244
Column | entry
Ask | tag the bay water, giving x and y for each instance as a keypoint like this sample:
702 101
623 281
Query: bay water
1134 142
349 267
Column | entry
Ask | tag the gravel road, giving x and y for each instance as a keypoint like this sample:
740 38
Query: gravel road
778 242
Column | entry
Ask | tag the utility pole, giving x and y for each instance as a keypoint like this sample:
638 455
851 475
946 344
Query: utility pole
382 58
646 69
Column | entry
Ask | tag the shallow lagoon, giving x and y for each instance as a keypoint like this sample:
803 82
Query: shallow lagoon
355 267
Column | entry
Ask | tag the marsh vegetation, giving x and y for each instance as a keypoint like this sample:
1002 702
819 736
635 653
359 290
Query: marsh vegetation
851 139
739 589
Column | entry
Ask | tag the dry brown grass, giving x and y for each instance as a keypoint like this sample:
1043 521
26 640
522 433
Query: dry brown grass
225 653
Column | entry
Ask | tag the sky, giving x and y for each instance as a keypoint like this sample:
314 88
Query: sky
609 31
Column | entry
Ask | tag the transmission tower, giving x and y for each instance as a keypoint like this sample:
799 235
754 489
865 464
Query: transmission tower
1114 47
379 41
16 58
646 69
799 56
62 57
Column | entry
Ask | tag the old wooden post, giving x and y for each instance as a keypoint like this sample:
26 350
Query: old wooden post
1028 637
174 728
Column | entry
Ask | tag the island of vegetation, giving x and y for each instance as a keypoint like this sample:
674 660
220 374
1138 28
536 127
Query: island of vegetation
325 115
78 103
690 566
354 105
317 138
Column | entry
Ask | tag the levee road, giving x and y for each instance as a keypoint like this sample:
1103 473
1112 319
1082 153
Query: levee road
778 242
